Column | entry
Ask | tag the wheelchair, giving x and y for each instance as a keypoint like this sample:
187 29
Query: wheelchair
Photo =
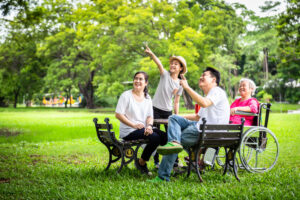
259 149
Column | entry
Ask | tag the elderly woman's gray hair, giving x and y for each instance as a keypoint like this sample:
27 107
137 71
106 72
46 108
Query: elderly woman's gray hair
251 84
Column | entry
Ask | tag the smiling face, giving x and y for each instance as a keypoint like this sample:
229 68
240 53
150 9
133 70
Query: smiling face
139 82
206 80
245 90
175 66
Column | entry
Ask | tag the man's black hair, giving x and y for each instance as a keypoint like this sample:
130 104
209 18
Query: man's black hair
214 73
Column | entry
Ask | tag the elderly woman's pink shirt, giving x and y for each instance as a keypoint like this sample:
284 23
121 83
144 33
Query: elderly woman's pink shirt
254 106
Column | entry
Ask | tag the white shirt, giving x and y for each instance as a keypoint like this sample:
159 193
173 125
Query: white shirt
134 111
219 111
163 97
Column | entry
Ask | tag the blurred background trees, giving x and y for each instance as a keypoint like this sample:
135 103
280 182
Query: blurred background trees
94 47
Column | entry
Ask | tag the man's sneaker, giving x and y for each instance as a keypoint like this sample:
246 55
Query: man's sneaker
155 180
169 148
143 169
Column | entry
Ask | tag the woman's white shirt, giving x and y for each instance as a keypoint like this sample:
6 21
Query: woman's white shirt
134 111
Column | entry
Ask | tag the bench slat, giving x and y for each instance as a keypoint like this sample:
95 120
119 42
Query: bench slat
104 126
220 142
221 127
222 134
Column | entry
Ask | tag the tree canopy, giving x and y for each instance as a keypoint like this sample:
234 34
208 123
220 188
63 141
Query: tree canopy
93 47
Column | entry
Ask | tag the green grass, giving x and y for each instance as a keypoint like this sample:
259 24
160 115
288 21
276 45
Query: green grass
55 154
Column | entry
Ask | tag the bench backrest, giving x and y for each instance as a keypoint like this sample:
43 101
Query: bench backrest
220 135
105 132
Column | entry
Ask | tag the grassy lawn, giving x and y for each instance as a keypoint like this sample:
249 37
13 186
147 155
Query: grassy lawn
55 154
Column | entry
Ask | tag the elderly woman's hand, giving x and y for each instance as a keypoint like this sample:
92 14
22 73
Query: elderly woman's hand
233 110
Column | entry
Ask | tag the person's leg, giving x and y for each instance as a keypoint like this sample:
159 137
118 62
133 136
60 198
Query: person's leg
154 141
189 135
166 166
175 125
160 114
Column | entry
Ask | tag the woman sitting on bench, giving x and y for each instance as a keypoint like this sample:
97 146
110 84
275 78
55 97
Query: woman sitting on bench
246 103
135 112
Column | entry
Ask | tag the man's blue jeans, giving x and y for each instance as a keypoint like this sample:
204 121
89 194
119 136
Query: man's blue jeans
182 131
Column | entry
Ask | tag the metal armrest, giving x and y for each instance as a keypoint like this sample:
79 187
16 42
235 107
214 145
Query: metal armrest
238 112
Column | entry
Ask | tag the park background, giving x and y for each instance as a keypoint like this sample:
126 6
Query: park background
92 49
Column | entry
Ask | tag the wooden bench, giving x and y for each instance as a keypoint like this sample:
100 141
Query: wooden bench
118 149
228 136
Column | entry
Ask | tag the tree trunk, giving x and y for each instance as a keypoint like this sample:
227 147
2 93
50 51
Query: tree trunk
16 93
188 101
87 91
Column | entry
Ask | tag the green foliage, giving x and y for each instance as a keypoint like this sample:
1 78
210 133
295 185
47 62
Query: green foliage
93 47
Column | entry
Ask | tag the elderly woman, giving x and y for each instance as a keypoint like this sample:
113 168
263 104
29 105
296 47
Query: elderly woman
246 103
135 112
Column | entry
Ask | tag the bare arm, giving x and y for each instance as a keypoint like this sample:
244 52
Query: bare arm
176 104
202 101
192 117
148 129
156 60
126 121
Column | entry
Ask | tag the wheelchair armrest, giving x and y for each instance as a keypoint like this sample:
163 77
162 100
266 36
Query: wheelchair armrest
238 112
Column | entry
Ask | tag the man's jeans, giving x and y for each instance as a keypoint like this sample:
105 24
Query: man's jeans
180 130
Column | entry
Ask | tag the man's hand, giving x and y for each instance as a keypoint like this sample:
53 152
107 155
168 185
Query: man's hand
183 82
148 130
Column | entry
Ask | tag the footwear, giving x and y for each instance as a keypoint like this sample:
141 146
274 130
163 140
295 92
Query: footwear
169 148
143 169
156 180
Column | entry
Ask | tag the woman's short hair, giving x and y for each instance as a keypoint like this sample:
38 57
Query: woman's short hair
251 84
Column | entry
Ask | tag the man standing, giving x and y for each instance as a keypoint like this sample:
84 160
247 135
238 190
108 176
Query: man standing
185 130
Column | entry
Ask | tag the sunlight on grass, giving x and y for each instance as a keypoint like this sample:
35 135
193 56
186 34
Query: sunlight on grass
56 155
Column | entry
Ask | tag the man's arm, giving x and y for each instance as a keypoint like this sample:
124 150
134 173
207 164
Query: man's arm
156 60
202 101
192 117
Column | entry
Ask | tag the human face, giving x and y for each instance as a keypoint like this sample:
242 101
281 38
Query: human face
139 82
206 80
245 90
175 66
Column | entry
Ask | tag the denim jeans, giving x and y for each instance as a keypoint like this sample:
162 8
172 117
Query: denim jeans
180 130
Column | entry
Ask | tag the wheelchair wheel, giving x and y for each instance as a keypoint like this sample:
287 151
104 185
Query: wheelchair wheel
259 150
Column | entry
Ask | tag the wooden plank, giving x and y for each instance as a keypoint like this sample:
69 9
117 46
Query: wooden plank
104 126
221 127
222 134
160 121
218 142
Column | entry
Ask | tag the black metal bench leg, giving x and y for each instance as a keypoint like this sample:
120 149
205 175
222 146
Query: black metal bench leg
235 166
122 160
226 162
110 158
190 163
197 165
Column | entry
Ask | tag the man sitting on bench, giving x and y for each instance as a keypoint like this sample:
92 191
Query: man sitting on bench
185 130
